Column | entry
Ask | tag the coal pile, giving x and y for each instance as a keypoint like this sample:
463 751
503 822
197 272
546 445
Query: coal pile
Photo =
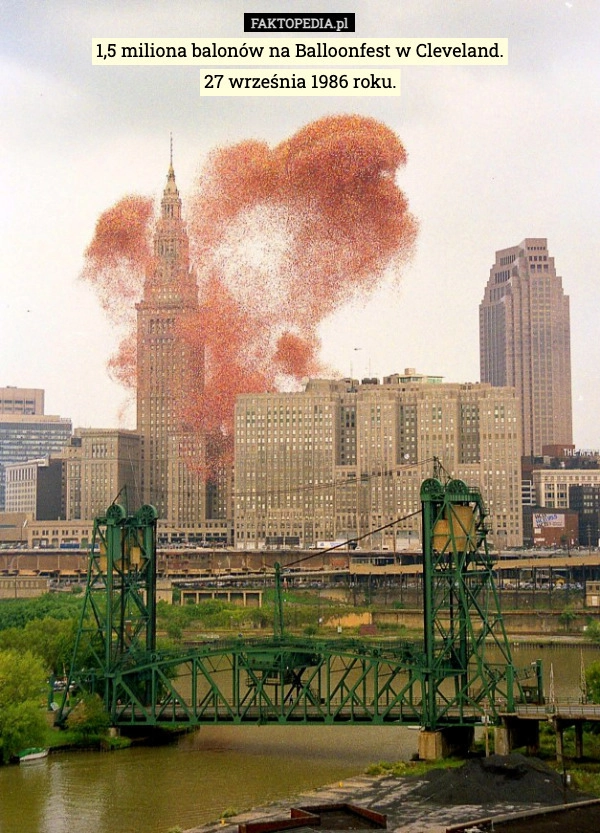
498 779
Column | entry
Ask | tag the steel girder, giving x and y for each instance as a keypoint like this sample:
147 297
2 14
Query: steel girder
273 682
462 618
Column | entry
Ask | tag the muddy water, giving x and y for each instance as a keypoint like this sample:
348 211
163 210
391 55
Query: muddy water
143 790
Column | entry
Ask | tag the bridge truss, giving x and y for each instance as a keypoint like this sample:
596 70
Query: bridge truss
445 680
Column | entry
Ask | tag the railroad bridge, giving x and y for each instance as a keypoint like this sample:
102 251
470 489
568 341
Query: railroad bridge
445 684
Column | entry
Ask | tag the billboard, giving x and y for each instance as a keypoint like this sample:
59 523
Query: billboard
546 519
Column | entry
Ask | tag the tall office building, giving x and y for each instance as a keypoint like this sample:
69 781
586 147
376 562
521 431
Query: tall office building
524 338
15 400
101 465
343 460
168 367
29 436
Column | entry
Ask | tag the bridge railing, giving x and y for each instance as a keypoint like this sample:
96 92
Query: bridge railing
567 708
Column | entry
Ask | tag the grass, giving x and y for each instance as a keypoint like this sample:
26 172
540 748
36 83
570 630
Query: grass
69 739
406 769
585 773
584 779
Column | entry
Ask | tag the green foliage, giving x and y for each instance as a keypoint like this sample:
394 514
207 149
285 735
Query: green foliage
592 681
567 616
212 614
15 613
302 610
586 779
391 627
50 639
89 718
22 677
22 690
21 725
547 732
403 769
113 744
592 631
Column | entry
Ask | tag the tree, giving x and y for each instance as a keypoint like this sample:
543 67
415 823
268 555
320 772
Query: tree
22 690
89 717
567 616
15 613
592 631
592 681
50 639
21 725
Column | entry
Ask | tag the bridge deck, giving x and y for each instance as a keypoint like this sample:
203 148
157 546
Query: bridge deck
559 710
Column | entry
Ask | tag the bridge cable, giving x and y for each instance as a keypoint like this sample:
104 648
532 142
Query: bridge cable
354 540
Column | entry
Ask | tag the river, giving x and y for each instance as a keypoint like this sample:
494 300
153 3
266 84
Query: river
196 780
217 769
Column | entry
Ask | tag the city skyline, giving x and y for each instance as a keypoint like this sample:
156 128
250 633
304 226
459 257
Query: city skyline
495 155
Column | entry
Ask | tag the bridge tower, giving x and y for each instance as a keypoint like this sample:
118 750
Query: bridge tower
117 628
463 625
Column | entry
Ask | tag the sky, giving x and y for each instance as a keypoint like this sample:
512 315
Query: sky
495 154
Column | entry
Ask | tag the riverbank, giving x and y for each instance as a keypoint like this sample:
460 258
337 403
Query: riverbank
531 624
483 788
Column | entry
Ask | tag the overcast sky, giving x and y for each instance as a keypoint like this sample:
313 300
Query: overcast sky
496 154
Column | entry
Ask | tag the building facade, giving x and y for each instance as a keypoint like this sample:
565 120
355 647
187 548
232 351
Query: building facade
36 488
550 529
553 487
343 460
168 369
25 436
15 400
585 500
101 466
64 535
524 337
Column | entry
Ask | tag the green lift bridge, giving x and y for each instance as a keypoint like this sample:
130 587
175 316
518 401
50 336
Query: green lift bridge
446 680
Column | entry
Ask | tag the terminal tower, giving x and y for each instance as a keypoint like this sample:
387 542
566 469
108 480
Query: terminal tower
168 369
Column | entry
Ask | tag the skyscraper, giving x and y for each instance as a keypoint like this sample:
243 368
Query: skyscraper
168 368
29 435
524 340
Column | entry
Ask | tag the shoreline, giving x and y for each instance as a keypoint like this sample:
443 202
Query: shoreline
401 800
